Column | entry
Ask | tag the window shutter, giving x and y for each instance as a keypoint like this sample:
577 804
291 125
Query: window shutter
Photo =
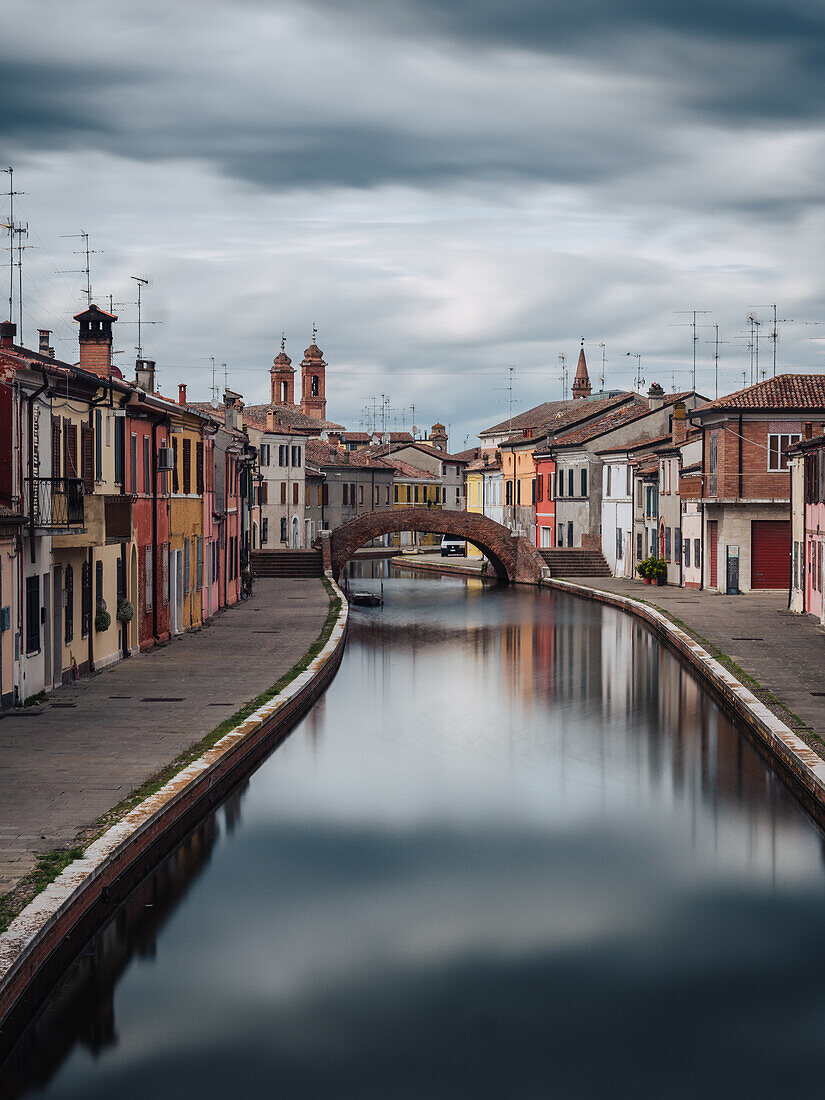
88 459
295 491
283 492
70 449
55 446
265 492
175 481
199 468
187 466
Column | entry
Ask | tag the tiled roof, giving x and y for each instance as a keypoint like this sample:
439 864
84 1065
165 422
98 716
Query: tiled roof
541 416
404 469
603 425
469 455
322 453
288 418
390 449
365 437
786 391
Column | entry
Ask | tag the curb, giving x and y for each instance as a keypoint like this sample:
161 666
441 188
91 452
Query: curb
40 940
443 570
801 764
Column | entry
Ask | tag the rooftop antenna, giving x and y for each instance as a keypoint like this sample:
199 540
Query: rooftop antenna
510 399
754 323
87 270
716 342
563 359
601 376
11 228
225 379
141 283
20 230
638 381
215 401
774 335
693 313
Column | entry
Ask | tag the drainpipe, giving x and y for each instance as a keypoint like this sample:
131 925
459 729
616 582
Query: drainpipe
124 644
154 468
31 400
90 553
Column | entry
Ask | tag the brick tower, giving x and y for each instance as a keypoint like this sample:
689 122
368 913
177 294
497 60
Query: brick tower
313 367
581 383
96 341
282 377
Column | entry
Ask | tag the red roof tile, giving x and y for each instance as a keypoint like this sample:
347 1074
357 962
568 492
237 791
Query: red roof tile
786 391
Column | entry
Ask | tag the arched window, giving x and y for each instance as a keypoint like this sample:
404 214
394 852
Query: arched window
314 385
284 392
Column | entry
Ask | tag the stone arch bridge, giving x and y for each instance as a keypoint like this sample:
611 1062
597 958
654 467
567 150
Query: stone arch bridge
514 559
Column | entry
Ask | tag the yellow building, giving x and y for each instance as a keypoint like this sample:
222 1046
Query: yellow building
186 517
519 478
411 487
474 495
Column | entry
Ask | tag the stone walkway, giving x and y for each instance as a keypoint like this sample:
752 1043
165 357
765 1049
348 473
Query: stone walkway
97 740
784 652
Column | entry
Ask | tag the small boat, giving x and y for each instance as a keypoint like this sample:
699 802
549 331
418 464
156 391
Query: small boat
366 599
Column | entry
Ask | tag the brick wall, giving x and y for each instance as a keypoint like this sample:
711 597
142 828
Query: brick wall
757 482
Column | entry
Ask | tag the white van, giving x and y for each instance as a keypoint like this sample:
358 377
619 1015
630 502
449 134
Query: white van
451 544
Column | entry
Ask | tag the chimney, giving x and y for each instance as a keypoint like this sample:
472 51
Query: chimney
233 411
679 423
655 397
145 375
43 335
8 330
270 421
96 340
334 438
182 393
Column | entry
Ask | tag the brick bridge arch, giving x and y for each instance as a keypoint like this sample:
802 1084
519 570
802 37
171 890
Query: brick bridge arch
514 559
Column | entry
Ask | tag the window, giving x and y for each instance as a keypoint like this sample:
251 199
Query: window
85 599
283 528
264 529
388 495
687 553
120 449
713 463
313 386
264 454
677 543
295 491
608 488
199 566
147 465
667 544
540 487
619 542
561 534
199 469
584 481
187 468
360 494
325 494
175 478
796 565
283 492
559 483
639 545
133 466
87 458
187 565
458 494
345 494
697 553
32 614
395 493
570 532
518 491
69 608
570 483
533 489
283 454
98 583
99 445
296 456
777 444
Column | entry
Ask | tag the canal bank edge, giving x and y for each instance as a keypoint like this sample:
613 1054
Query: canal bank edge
54 924
804 768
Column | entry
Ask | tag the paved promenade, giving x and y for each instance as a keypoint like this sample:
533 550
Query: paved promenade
97 740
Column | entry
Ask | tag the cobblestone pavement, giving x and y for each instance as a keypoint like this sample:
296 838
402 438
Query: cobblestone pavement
784 652
95 741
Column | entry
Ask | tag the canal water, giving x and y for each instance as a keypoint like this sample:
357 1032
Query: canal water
515 851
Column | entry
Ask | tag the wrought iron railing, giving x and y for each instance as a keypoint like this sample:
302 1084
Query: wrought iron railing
56 502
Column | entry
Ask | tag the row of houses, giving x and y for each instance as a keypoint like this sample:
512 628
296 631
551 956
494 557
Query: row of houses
704 485
123 513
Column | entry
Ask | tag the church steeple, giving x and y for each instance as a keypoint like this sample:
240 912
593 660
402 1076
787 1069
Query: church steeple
282 375
313 369
581 383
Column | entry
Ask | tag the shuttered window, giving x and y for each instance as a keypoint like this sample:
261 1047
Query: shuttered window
175 477
70 449
32 614
85 599
186 566
98 445
187 466
199 566
55 446
69 608
199 468
283 492
295 491
148 578
88 459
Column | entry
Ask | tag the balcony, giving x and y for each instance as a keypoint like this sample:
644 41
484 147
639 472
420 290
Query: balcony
56 502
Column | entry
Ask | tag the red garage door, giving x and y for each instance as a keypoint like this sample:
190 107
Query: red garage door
770 553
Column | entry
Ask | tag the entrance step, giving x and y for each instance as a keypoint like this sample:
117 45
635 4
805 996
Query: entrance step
574 562
287 563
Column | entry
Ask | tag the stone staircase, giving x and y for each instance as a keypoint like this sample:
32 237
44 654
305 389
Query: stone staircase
287 563
572 562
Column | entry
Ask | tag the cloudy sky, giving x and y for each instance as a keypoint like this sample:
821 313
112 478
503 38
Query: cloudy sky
447 188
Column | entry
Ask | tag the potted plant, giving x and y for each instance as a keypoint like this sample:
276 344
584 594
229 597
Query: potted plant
125 611
659 571
643 569
103 619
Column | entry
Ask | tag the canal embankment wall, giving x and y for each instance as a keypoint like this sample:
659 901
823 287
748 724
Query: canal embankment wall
41 941
803 768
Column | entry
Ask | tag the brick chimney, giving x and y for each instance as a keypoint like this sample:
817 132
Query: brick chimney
96 340
233 411
655 397
8 331
679 423
182 393
43 342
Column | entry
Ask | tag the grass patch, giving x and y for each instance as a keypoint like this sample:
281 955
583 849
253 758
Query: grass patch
50 864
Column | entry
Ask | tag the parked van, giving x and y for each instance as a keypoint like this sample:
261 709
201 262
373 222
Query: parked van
451 544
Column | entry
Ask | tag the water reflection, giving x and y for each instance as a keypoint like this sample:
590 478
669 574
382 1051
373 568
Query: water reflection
515 851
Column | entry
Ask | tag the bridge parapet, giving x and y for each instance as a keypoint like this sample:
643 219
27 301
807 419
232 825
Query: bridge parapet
514 559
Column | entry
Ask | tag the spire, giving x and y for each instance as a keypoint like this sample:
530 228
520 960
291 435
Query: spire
581 383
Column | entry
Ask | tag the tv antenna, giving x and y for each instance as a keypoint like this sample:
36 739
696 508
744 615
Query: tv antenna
774 334
754 323
601 376
563 377
10 225
716 342
141 283
692 324
20 231
87 270
638 382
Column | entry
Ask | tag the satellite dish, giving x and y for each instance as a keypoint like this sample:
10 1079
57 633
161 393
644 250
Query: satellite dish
415 429
214 402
